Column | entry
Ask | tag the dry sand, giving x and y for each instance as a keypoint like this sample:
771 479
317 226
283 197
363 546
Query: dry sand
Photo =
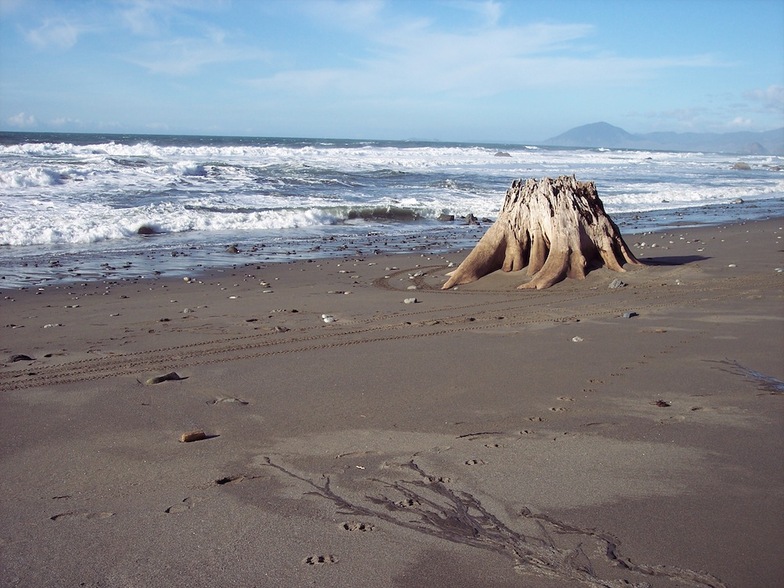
481 436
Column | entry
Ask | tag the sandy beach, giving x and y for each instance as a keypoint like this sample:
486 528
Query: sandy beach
482 436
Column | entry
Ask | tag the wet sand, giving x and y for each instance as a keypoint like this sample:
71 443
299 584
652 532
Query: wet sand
483 436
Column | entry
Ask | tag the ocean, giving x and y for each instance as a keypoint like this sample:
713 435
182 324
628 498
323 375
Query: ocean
80 207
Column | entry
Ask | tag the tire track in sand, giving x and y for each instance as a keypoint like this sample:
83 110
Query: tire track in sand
519 310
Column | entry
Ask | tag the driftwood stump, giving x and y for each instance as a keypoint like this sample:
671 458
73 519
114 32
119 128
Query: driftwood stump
556 227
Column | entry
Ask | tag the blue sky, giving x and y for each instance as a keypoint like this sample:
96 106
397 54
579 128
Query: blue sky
515 70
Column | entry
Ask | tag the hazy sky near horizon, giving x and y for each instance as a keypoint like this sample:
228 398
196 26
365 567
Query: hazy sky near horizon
463 70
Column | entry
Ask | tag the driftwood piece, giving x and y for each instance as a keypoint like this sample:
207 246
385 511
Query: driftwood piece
557 228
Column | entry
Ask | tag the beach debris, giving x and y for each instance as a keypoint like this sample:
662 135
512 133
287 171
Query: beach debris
558 228
328 318
192 436
51 325
577 339
20 357
410 301
630 314
616 283
173 376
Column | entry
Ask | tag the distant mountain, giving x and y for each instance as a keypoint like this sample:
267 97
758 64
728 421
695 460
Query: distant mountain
602 134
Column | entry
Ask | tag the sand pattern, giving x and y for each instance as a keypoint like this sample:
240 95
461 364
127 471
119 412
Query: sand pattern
398 326
541 545
593 434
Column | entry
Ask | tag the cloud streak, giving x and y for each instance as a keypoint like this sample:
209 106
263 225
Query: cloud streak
415 57
185 56
55 33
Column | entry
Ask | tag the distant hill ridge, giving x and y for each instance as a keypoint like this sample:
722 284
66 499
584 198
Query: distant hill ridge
602 134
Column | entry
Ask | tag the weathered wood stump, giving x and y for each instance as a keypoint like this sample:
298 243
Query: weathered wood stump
556 227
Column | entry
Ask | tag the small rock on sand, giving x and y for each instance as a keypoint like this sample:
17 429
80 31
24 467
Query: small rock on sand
192 436
163 378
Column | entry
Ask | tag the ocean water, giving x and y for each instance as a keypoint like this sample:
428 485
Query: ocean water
84 207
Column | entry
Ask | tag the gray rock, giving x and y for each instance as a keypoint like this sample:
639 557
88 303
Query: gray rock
616 283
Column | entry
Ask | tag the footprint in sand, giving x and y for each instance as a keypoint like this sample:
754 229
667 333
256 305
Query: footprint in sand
557 408
320 560
81 515
472 462
406 503
357 526
186 504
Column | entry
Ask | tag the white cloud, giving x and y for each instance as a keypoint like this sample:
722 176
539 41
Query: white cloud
740 122
22 120
185 56
415 58
152 17
405 55
65 121
140 17
771 98
56 33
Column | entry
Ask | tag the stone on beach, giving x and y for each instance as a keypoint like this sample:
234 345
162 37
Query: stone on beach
192 436
173 376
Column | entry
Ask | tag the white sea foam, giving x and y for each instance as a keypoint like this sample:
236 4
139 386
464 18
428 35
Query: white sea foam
70 193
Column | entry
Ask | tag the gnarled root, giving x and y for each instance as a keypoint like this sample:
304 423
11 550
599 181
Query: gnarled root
557 228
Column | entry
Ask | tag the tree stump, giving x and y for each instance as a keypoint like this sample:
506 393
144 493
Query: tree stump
556 227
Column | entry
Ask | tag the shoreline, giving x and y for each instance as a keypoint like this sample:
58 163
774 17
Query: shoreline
481 436
176 255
